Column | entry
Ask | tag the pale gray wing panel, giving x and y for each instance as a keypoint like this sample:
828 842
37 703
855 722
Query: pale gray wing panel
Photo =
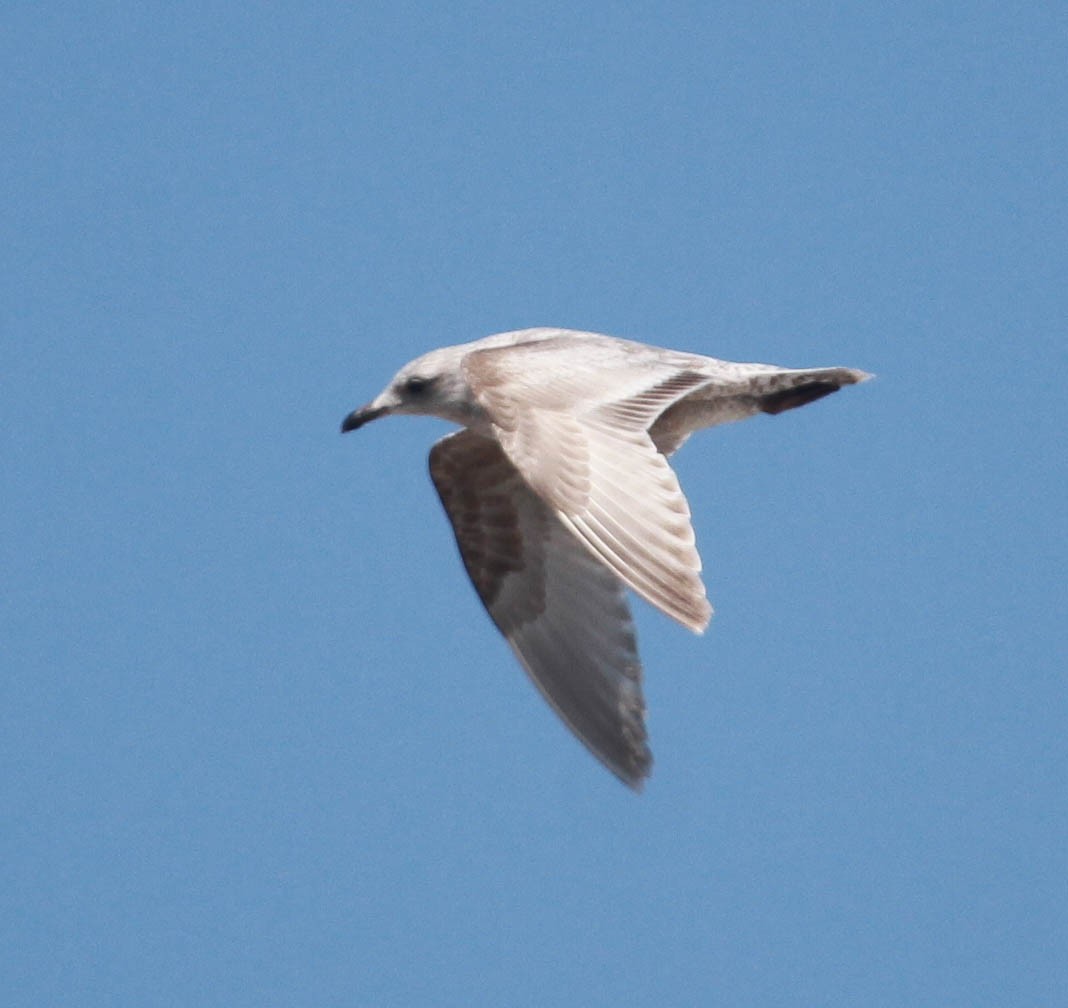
564 613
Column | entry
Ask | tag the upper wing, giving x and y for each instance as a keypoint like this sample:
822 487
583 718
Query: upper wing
575 426
563 612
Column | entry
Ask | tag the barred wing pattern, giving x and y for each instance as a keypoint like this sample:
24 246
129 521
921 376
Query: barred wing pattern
579 438
562 611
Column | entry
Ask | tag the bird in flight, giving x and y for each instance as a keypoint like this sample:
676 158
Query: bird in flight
560 495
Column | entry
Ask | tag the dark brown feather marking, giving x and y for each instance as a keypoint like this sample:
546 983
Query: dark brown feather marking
484 519
787 399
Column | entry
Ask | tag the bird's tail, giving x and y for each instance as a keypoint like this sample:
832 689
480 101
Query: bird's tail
798 388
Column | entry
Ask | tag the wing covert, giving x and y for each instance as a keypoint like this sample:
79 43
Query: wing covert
578 436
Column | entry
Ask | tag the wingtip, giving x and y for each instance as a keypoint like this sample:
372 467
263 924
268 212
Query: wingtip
698 620
636 772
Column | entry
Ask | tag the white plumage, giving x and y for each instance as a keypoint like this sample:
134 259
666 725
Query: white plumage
560 494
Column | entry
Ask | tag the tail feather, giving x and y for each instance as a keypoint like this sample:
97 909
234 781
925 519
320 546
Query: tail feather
820 385
787 399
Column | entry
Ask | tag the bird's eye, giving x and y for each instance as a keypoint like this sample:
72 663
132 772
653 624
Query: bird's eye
416 385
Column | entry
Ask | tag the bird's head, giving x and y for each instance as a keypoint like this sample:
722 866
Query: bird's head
431 385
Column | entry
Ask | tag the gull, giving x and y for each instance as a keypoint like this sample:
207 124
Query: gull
560 496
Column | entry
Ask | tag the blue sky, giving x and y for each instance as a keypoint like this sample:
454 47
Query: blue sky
260 744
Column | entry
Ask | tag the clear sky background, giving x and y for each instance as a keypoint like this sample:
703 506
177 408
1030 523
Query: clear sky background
260 743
